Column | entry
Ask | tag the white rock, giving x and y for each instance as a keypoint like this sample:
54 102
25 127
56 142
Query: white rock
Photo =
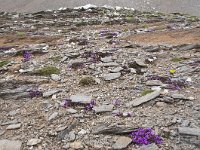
10 145
33 142
76 145
14 126
82 132
81 98
55 77
88 6
53 116
122 143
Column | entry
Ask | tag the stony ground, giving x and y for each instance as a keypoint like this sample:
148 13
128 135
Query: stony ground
85 79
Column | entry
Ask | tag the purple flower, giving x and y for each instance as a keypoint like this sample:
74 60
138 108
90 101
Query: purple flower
66 103
144 136
27 56
116 102
173 83
90 105
35 93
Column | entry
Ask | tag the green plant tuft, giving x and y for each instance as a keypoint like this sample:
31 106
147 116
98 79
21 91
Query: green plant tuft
47 71
145 92
176 59
85 81
56 58
3 63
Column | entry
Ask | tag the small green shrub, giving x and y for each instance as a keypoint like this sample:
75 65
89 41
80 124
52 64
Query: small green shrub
3 63
85 81
145 92
176 59
47 71
56 58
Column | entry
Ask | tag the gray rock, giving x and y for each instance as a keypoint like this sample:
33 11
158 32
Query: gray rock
185 123
71 111
51 92
115 70
189 131
110 64
189 47
103 108
33 142
15 121
113 129
10 145
154 83
71 136
55 77
14 126
179 97
111 76
76 145
13 112
144 99
53 116
149 147
106 59
81 98
122 142
137 63
152 49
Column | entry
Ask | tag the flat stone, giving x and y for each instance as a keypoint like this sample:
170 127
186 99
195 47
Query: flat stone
110 64
53 116
154 83
81 98
149 147
71 136
118 69
10 145
179 96
106 59
137 63
103 108
189 131
189 47
33 142
76 145
51 92
144 99
122 142
71 111
14 112
82 132
111 76
14 126
185 123
113 129
55 77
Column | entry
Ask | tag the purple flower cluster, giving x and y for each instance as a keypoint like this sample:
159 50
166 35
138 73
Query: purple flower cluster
35 93
66 103
27 56
90 105
116 102
144 136
173 83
